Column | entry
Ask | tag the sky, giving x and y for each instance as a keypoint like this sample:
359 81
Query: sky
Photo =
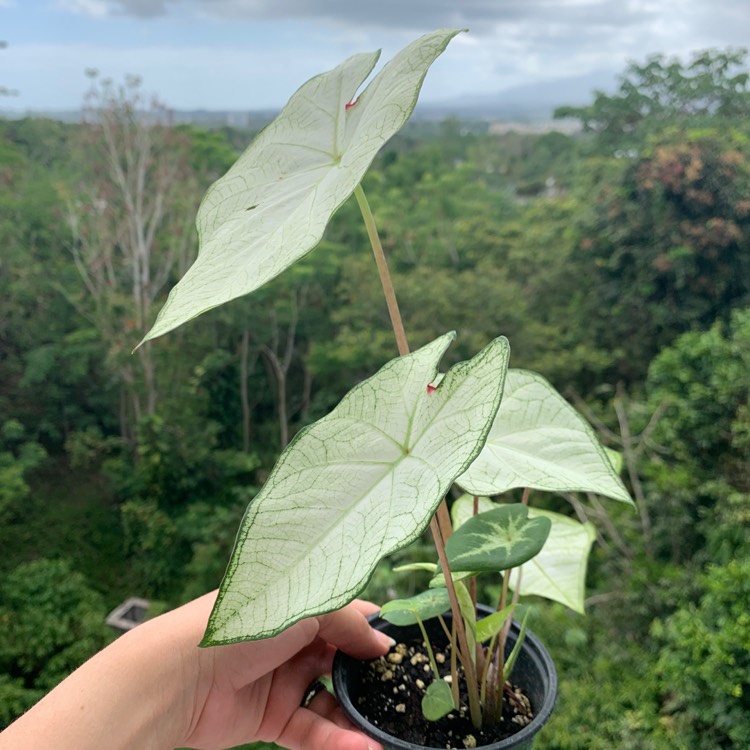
253 54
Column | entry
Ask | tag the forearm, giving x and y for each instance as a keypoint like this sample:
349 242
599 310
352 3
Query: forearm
132 694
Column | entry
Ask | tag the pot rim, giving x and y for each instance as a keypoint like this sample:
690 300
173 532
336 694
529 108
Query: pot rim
536 651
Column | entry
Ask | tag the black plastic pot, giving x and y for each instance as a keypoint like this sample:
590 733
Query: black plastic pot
534 672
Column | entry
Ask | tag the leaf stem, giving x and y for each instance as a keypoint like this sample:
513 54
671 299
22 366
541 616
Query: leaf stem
385 274
472 686
440 522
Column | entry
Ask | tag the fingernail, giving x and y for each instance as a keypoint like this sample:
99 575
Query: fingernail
386 640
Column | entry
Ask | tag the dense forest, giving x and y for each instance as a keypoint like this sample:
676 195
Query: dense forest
616 261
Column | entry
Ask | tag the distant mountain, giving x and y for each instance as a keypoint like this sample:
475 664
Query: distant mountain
535 101
530 103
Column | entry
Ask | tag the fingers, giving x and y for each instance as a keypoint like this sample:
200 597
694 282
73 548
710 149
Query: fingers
348 630
309 730
365 607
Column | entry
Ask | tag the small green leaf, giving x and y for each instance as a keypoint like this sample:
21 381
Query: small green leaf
437 700
439 580
558 572
427 567
615 458
422 606
489 626
468 615
539 441
272 206
496 540
510 662
354 487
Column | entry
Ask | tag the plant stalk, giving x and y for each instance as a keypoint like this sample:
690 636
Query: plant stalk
440 521
385 275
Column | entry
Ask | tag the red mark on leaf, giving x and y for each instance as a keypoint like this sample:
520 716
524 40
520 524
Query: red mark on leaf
351 104
431 388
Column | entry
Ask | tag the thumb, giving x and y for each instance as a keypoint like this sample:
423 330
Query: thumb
349 631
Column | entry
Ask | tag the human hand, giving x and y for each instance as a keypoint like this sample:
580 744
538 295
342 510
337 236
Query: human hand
253 690
154 688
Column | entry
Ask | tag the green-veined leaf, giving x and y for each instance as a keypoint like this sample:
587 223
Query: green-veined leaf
558 572
355 486
615 458
498 539
539 441
272 206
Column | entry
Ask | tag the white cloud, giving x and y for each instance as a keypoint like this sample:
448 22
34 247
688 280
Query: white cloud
92 8
108 8
195 55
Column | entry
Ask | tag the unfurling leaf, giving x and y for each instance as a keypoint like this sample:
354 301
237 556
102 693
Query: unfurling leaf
491 625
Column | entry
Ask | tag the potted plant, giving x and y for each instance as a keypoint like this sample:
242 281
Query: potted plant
371 476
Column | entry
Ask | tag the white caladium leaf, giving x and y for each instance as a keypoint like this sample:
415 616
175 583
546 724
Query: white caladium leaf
355 486
272 206
558 572
540 441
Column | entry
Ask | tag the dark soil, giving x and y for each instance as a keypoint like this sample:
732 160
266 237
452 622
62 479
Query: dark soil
391 698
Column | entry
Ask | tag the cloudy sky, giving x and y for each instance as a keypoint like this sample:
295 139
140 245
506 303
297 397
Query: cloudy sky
252 54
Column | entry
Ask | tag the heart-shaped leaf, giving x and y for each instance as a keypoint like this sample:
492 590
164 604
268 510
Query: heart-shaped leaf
558 572
498 539
437 700
539 441
272 206
355 486
421 606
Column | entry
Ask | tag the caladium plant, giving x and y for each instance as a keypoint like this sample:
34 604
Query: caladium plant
369 478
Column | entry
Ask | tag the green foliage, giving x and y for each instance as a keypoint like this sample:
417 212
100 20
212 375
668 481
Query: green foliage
180 487
496 540
704 662
699 479
663 248
712 85
18 457
703 380
52 621
638 237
